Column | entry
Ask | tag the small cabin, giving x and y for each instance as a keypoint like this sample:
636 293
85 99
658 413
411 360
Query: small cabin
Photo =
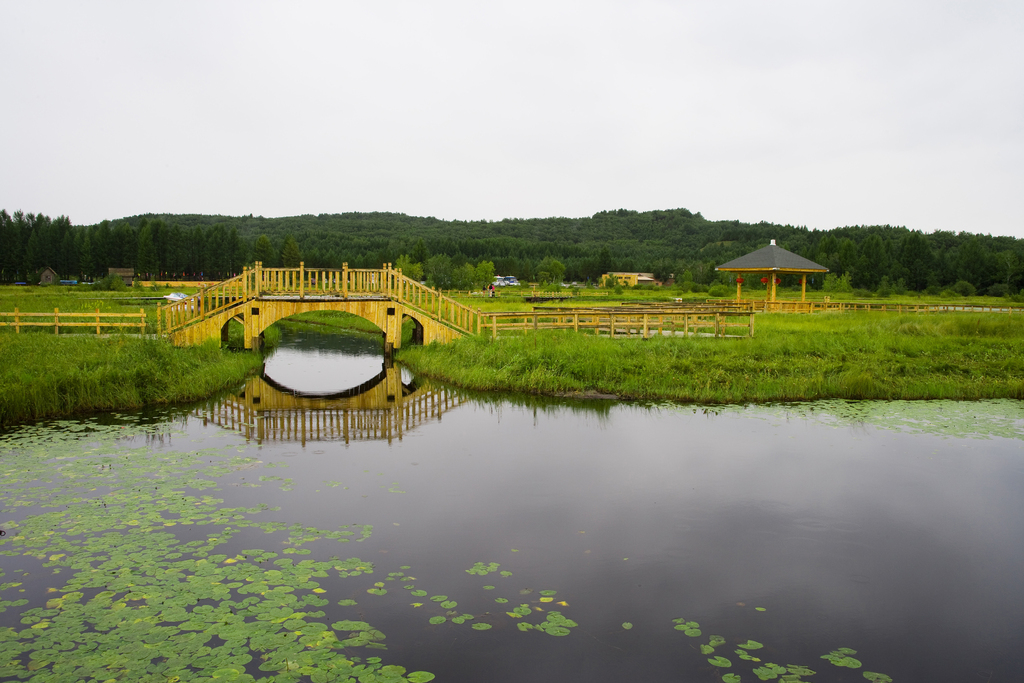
48 276
127 274
629 279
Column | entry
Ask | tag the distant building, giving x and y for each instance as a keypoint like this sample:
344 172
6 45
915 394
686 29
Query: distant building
629 279
127 274
48 276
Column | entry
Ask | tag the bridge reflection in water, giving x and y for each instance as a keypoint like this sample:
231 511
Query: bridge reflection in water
382 408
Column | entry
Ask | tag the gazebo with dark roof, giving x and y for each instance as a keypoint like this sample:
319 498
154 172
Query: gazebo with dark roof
772 260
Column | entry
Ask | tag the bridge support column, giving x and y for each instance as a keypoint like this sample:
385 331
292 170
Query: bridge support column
250 317
393 325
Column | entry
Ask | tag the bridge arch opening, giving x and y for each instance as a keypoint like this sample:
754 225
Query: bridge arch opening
417 329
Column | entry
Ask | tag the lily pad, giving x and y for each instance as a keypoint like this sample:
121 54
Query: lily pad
438 598
730 678
877 677
438 619
719 661
420 677
626 625
751 645
480 626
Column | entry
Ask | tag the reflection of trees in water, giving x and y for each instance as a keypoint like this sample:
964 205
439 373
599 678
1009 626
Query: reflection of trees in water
381 408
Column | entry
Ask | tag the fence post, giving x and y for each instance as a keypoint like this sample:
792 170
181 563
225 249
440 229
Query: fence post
646 319
17 321
56 321
302 279
344 280
142 322
97 322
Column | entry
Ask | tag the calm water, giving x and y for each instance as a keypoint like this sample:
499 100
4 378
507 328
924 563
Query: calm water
892 529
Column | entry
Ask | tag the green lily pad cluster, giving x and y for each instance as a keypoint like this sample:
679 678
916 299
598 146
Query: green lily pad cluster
482 569
713 642
690 628
791 673
135 602
842 657
554 624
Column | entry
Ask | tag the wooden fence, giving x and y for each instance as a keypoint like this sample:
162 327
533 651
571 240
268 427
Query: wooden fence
57 320
611 322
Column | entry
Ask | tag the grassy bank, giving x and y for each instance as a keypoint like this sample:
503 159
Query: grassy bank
793 357
44 376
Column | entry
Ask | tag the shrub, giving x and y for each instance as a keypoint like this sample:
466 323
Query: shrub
837 283
884 288
111 283
719 291
999 290
964 288
948 294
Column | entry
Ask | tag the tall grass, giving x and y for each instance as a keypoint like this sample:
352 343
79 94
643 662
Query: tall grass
44 376
793 357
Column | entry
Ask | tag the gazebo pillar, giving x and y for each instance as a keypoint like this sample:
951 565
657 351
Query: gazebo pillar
739 289
803 287
773 278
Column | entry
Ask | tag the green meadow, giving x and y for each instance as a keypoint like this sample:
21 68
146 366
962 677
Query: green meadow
791 358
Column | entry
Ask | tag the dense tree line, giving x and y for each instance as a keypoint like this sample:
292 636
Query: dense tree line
663 242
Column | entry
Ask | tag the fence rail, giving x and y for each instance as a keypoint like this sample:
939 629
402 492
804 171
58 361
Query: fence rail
19 319
616 323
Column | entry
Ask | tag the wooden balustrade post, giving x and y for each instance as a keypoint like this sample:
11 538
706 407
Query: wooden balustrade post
98 321
344 280
646 320
17 321
56 321
302 279
142 322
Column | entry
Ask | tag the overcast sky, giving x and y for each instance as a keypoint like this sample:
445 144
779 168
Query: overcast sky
811 113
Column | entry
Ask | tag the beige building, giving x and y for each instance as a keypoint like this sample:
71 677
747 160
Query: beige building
629 279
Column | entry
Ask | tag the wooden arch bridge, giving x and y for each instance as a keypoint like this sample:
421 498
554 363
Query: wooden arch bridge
260 296
383 408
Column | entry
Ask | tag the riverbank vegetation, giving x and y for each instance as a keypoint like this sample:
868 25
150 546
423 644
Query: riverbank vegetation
46 376
791 358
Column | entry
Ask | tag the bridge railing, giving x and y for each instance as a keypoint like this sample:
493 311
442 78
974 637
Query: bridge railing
345 282
433 303
204 303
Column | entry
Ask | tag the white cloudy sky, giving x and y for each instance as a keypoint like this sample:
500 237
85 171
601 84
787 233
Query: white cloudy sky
813 112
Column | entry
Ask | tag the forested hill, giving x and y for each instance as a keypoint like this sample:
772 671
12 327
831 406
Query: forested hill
663 242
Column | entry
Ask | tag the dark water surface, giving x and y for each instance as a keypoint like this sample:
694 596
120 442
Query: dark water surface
892 529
